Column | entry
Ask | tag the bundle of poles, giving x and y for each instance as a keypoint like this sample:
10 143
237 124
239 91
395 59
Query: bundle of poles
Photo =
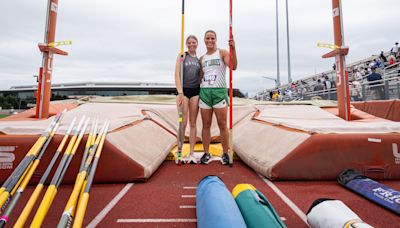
17 182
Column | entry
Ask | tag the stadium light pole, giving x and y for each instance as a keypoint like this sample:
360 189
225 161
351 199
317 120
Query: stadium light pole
277 46
288 43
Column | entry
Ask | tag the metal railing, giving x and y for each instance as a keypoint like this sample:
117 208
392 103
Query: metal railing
388 88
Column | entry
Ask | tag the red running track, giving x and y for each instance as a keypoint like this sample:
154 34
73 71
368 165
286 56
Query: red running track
168 197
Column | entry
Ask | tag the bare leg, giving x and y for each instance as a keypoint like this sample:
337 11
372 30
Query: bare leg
221 114
206 116
184 116
185 113
193 111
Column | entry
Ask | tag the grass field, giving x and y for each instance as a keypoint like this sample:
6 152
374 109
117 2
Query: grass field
3 115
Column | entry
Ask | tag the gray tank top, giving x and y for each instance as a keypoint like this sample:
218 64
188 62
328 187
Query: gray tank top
191 69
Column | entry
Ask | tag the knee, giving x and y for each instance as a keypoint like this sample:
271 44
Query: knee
192 124
206 126
222 125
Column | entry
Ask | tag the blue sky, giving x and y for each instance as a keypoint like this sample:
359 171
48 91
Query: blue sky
139 40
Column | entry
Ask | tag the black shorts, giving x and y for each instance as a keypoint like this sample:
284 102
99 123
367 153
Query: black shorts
191 92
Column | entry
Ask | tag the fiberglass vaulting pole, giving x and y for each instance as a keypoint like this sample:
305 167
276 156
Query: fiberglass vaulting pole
340 52
36 193
178 158
44 85
16 177
19 190
230 87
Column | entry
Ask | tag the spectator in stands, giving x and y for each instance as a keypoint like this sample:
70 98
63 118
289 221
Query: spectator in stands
319 86
395 49
355 91
275 96
383 58
392 60
289 94
328 86
358 76
376 86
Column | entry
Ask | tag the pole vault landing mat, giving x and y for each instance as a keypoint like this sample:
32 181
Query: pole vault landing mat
167 199
282 142
304 142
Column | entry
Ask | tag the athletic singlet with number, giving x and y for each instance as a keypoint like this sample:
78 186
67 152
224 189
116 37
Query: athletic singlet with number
191 69
214 69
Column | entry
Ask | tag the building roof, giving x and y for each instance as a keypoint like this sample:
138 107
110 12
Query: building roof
82 85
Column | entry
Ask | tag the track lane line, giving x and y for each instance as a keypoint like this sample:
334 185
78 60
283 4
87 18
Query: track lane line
109 206
285 199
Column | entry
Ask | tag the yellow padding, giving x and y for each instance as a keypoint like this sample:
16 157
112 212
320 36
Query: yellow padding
240 188
214 149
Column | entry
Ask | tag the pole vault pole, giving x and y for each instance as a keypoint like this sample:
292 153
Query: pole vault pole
340 53
230 87
182 54
44 85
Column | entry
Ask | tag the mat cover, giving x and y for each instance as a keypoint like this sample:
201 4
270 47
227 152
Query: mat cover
370 189
215 206
256 210
331 213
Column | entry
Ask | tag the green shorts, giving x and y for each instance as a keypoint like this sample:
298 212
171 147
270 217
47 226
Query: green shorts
213 98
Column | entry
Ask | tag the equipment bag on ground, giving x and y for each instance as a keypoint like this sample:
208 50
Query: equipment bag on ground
255 208
330 213
215 206
370 189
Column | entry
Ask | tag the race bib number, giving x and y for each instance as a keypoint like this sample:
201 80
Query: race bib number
210 79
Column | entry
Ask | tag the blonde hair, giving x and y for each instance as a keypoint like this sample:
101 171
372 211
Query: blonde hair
211 31
191 37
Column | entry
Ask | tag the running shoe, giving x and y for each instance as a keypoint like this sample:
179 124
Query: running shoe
206 158
225 159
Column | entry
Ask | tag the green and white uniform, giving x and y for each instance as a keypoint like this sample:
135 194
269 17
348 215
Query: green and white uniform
213 91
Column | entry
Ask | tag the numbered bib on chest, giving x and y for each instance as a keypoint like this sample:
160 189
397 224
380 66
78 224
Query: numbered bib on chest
210 79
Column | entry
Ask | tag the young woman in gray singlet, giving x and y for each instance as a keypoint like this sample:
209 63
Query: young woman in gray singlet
188 91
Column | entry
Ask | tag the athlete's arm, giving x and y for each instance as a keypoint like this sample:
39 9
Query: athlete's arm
178 82
225 55
201 72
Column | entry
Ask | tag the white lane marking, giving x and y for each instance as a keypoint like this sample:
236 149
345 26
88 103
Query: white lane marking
109 206
374 140
154 220
283 218
187 206
286 199
188 196
188 187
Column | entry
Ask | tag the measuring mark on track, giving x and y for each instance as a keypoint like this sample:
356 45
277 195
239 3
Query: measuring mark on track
188 187
109 206
156 220
187 206
188 196
285 199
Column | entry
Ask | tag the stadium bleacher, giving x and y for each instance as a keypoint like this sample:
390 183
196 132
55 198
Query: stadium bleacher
360 88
